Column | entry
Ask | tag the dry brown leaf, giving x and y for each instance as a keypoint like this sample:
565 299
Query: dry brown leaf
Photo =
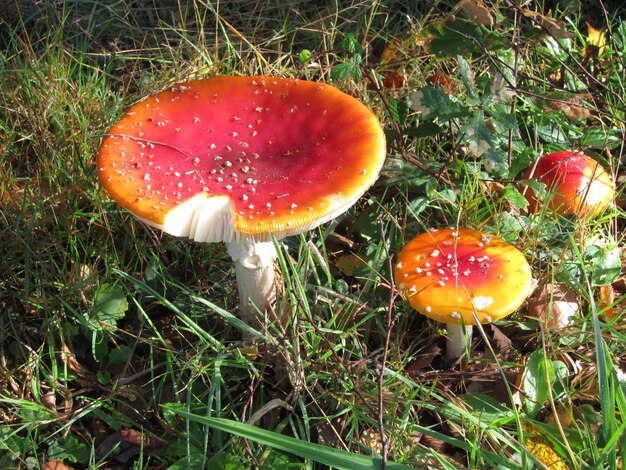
423 358
136 438
55 465
595 44
551 26
503 343
83 378
563 416
444 81
605 300
394 80
555 304
571 105
348 263
476 11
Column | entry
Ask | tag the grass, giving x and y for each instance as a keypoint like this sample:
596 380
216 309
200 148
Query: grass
120 346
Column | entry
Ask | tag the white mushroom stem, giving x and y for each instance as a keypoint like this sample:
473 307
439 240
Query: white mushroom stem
456 343
254 264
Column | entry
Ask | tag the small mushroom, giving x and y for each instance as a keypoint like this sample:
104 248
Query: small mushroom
575 184
460 276
241 160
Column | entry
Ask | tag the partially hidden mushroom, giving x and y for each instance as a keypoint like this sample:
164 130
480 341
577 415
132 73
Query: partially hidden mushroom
242 160
575 184
462 277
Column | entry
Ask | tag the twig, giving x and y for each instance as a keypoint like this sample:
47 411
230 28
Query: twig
391 319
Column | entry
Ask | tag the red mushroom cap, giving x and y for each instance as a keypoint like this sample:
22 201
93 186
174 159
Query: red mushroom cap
575 184
450 274
226 158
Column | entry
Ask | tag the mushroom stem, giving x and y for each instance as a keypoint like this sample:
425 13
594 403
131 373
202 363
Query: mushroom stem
254 265
456 340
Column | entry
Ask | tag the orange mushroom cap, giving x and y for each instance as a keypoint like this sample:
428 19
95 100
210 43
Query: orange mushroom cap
228 158
575 184
450 274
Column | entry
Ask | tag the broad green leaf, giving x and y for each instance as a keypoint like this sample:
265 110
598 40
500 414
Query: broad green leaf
69 449
399 109
109 306
605 263
512 195
537 381
598 137
433 103
426 129
341 71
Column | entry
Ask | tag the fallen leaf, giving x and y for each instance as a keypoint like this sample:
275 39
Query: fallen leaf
571 105
83 378
555 304
394 80
137 438
444 81
476 11
347 264
55 465
595 43
605 300
390 53
553 27
503 343
424 358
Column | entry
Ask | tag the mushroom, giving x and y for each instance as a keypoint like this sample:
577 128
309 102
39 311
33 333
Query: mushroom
575 184
460 276
242 160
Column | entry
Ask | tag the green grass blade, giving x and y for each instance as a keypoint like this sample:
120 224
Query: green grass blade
322 454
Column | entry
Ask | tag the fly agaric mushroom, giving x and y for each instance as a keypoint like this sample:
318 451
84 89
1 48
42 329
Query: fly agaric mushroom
241 160
575 184
461 277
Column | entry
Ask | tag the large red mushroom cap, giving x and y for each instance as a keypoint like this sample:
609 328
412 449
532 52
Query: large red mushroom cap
453 275
575 184
230 158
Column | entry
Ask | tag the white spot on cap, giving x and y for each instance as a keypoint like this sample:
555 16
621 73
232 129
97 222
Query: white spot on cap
481 302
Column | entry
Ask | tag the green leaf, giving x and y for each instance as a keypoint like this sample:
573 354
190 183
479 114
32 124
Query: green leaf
467 77
399 109
478 137
351 44
461 37
341 71
537 380
605 263
324 455
305 55
426 129
598 137
69 449
434 103
109 306
512 195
